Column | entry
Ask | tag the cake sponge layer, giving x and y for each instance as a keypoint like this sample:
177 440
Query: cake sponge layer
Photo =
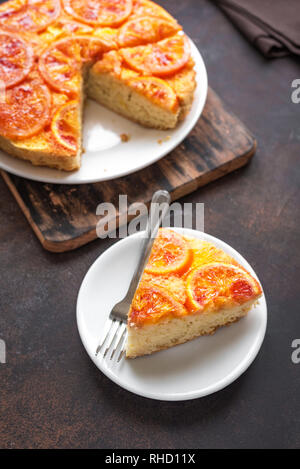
121 98
173 331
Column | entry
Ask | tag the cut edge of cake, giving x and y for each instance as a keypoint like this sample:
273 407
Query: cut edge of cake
173 331
119 93
52 159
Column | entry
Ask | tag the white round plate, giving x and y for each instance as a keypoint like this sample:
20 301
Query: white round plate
188 371
106 156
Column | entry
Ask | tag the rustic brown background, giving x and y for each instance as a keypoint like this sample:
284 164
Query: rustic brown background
51 394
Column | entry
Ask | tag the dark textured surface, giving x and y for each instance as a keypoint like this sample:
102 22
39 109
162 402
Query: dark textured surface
51 395
64 216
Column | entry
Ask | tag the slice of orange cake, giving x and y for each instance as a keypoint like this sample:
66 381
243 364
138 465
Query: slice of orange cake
189 288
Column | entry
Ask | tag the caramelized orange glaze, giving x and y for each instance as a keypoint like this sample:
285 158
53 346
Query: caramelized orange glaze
145 30
26 109
189 276
170 254
16 59
101 13
161 59
29 15
65 125
44 43
216 284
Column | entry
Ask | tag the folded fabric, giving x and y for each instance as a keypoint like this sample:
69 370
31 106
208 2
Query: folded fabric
273 26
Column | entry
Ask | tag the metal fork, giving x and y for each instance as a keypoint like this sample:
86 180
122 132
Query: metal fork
115 332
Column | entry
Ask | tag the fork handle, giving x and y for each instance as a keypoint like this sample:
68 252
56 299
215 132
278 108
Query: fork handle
158 208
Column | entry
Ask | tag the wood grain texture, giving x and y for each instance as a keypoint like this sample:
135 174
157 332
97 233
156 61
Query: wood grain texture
64 217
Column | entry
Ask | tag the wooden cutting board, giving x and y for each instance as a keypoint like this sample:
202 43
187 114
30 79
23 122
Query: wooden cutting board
64 217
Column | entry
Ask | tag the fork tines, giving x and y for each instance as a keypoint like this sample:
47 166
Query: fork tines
114 336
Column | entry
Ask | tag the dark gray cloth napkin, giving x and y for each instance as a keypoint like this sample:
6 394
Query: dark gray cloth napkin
273 26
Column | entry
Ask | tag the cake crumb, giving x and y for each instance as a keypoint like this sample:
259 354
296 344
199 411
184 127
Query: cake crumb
125 137
165 139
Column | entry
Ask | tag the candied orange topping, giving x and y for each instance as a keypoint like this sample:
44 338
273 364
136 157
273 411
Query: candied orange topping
25 109
61 63
217 284
160 59
65 126
149 8
170 254
16 59
151 303
146 29
157 90
189 276
99 12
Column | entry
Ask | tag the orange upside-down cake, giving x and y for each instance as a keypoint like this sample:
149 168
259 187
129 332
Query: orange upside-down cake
189 288
129 55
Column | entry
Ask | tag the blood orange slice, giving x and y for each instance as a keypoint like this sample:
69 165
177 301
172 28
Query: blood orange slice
65 126
164 58
25 109
8 9
99 12
148 8
151 303
29 15
145 30
61 62
66 26
216 285
170 254
157 90
16 59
